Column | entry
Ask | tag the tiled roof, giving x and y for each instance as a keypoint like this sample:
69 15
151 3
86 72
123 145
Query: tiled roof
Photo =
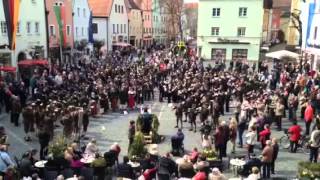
281 3
100 8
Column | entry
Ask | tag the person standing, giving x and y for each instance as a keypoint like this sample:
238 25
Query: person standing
267 155
131 99
275 147
279 112
251 139
44 138
241 128
15 110
295 133
27 119
308 117
233 133
314 145
132 131
264 135
166 167
179 114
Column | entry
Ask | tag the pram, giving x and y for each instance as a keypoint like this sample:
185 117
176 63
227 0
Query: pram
177 146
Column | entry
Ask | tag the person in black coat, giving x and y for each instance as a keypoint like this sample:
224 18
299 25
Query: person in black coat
26 165
166 167
44 138
124 170
275 146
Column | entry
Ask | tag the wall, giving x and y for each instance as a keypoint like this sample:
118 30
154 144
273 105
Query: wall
229 13
102 29
54 40
29 12
81 19
135 25
119 19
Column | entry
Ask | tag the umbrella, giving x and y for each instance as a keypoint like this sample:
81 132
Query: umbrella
281 54
8 69
30 62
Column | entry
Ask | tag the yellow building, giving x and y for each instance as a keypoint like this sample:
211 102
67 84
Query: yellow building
293 33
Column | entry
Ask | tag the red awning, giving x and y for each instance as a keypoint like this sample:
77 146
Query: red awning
33 62
8 68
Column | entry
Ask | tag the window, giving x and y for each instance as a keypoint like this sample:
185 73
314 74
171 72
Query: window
218 55
113 28
216 12
68 30
36 27
243 12
52 30
125 28
3 27
215 31
84 13
241 31
82 31
18 27
239 54
116 8
94 28
77 30
117 28
122 9
120 28
28 27
78 11
315 32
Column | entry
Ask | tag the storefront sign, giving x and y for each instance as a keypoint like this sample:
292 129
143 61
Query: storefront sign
224 40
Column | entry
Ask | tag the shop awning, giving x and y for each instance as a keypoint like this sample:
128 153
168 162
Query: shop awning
281 54
121 44
33 62
8 69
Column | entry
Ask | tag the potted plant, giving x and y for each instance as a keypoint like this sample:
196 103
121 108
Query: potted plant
137 149
308 171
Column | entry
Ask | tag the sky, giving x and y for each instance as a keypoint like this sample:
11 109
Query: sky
188 1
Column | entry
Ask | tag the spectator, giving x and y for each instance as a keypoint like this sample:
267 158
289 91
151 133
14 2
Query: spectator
167 167
5 160
233 133
255 175
295 133
26 166
216 175
251 139
314 145
308 117
185 168
275 147
91 148
124 170
267 154
264 135
131 132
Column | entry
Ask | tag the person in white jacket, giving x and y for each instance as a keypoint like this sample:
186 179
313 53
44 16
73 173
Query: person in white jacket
251 139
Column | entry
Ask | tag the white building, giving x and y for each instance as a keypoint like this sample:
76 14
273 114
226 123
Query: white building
31 38
81 16
230 30
310 18
118 24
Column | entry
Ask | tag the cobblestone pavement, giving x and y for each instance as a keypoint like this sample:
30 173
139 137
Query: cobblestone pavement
112 127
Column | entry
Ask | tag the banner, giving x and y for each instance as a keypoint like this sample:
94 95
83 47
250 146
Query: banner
57 11
15 23
11 13
90 30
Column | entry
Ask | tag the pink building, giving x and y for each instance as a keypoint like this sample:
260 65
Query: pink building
146 7
53 27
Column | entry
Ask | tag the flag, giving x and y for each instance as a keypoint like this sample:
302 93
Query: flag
11 13
90 30
59 15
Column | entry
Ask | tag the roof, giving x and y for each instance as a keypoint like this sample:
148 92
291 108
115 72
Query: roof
100 8
131 4
191 5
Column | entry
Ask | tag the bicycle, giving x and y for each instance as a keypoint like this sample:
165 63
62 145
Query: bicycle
303 143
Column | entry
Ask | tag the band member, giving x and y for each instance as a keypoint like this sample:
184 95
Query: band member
192 117
179 114
27 121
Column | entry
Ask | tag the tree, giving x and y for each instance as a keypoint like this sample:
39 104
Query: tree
297 24
174 11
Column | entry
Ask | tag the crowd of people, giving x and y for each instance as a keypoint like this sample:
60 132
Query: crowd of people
260 98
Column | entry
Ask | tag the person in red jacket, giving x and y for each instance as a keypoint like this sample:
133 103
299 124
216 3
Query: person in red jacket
295 133
264 135
308 117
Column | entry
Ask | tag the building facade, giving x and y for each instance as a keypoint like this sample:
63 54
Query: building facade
81 16
135 23
293 33
310 16
156 22
31 39
118 24
55 37
191 19
222 41
146 7
100 20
